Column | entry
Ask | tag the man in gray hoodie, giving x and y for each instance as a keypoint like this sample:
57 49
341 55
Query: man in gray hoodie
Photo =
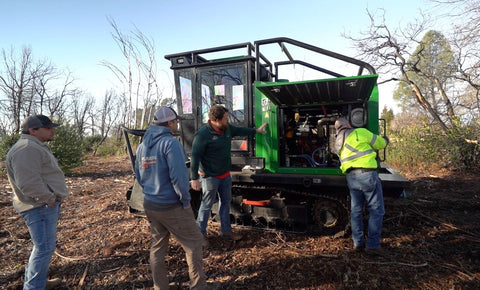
161 171
38 186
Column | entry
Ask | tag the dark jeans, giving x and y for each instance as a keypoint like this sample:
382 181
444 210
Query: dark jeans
210 187
366 189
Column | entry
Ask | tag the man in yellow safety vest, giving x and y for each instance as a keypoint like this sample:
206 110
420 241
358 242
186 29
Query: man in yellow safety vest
357 149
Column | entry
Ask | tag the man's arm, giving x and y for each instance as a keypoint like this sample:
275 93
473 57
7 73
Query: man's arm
380 142
27 168
198 147
178 172
246 131
138 161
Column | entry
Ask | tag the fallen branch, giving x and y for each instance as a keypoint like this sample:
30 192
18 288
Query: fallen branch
400 263
68 258
290 252
471 141
82 280
112 270
461 272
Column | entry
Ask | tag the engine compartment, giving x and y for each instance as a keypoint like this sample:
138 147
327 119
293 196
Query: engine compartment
307 135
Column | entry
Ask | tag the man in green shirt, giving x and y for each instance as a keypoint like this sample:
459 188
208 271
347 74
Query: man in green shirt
210 166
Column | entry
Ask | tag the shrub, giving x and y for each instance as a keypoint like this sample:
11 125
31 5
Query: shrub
419 146
111 147
6 142
463 154
68 147
91 143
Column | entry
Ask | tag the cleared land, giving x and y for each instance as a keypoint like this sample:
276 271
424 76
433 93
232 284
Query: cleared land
432 238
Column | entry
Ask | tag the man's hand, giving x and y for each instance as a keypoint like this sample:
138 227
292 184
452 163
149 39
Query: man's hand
196 185
261 129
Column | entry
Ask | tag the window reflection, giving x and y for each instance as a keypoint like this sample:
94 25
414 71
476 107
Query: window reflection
224 86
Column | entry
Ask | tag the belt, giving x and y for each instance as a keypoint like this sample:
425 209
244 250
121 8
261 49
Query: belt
360 170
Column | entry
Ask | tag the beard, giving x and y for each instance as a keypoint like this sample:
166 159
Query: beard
223 127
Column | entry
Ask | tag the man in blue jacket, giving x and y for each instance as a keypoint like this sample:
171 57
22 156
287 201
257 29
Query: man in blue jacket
161 171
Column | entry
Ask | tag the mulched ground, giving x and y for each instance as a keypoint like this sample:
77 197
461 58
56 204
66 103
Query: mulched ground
432 239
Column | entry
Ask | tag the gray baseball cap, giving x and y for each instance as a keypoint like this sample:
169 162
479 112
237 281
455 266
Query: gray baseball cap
165 114
37 121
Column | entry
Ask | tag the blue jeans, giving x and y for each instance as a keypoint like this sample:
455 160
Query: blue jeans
42 225
366 189
210 187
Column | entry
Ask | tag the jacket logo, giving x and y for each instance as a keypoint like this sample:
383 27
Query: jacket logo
148 161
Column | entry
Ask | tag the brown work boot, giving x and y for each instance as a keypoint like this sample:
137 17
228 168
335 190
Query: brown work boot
358 249
52 283
378 252
213 285
232 236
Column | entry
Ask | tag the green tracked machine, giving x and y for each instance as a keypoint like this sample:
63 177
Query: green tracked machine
288 179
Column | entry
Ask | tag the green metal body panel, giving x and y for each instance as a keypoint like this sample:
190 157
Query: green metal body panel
372 121
271 96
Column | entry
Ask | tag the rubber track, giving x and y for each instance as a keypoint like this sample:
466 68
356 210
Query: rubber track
341 201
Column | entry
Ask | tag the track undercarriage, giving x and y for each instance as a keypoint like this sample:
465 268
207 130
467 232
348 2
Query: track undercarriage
287 209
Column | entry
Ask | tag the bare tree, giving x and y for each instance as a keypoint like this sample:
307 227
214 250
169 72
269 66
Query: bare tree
56 100
140 89
393 54
148 67
15 82
465 38
124 76
81 108
447 88
109 113
29 88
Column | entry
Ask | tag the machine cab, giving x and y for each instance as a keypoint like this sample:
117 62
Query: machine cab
201 83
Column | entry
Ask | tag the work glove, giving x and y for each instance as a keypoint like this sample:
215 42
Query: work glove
386 139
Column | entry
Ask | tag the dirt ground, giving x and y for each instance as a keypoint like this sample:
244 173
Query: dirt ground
432 239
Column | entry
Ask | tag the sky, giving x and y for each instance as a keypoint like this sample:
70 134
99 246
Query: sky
77 35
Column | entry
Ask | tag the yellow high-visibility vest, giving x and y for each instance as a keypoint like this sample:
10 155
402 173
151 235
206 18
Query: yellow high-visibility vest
359 149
